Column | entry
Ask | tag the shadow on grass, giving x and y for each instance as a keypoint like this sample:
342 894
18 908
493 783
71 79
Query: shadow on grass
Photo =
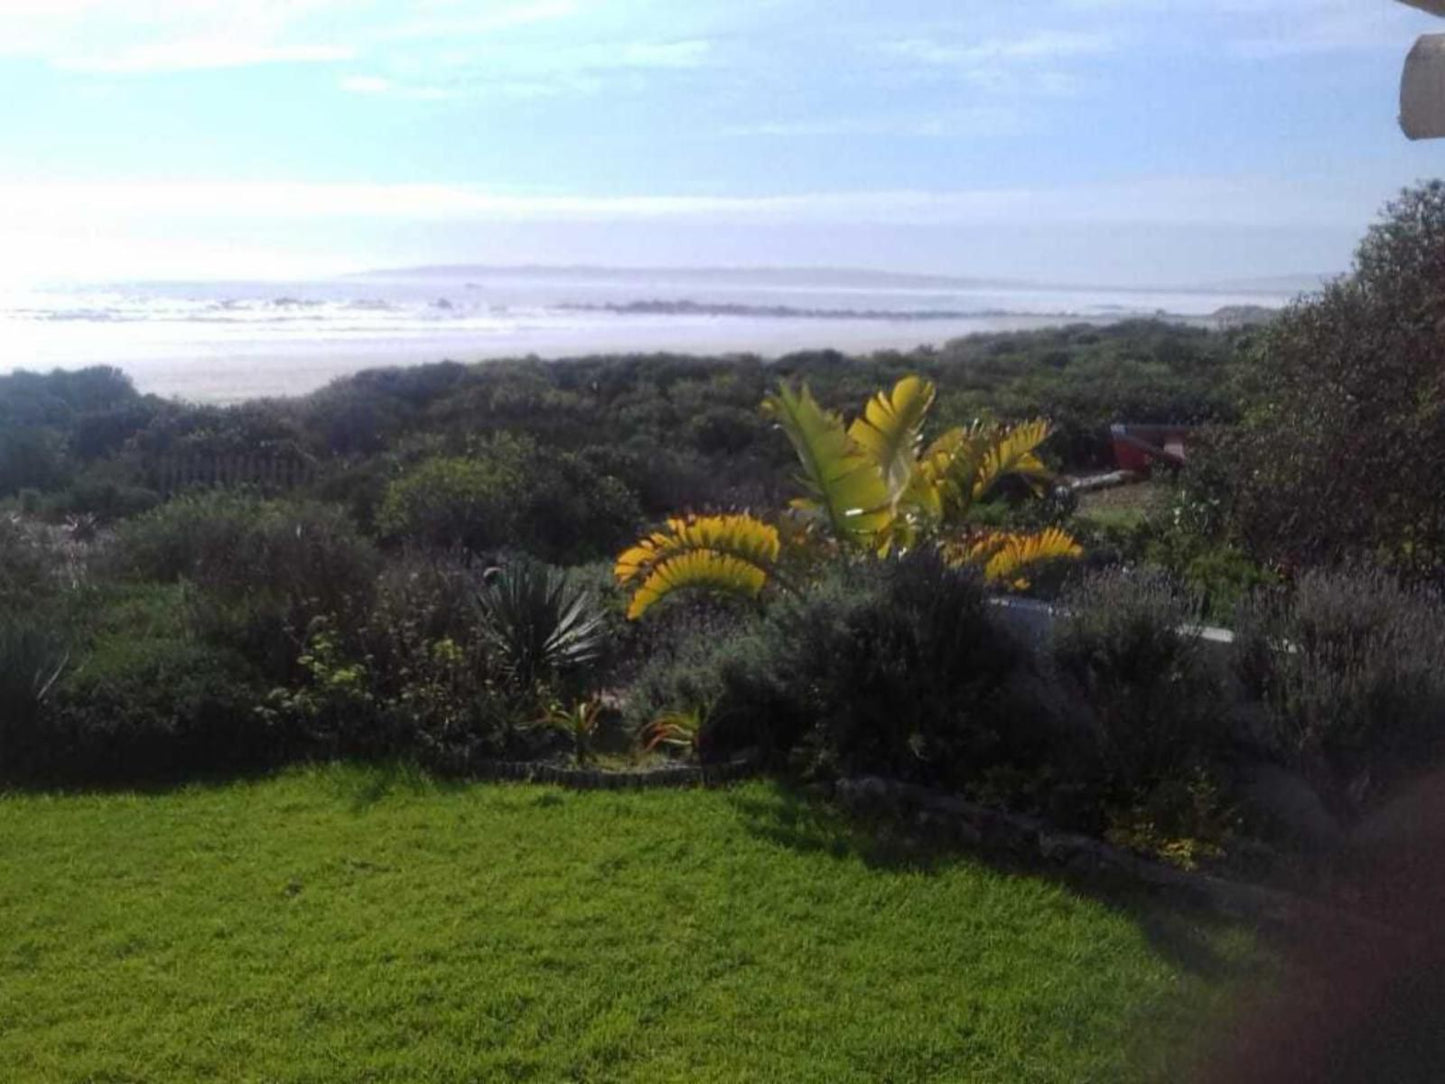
140 783
361 783
1178 929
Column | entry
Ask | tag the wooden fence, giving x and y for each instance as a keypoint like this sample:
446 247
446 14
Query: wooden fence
171 474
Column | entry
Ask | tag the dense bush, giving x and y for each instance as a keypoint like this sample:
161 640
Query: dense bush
32 658
673 431
448 667
680 662
154 707
453 501
30 565
259 571
511 493
1151 695
1128 642
99 493
1349 668
50 424
1342 454
894 668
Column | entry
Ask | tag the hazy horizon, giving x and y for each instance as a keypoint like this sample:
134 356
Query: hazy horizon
1289 283
1120 143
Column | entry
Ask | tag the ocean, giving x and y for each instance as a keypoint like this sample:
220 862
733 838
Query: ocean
230 341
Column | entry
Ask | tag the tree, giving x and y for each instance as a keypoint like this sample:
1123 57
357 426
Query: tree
1341 454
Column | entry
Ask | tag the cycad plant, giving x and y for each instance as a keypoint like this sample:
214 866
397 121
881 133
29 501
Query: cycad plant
872 489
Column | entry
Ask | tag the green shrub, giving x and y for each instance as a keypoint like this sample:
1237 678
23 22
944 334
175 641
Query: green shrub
453 501
895 668
258 572
1349 668
1128 645
30 568
1342 452
107 499
1188 538
232 543
421 678
409 694
31 457
155 707
684 655
32 659
511 493
1152 693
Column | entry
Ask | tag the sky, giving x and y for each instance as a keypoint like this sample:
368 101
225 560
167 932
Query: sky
1120 142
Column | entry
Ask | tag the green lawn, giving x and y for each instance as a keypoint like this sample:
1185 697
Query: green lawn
349 924
1122 507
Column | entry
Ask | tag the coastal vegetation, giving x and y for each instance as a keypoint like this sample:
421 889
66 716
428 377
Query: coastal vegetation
635 563
456 564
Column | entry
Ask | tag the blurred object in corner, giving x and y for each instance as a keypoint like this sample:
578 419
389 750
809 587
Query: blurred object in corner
1357 1008
1422 89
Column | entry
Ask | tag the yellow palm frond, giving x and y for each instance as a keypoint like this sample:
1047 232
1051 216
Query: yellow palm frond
704 570
890 430
846 489
948 468
1012 452
739 535
1005 555
734 554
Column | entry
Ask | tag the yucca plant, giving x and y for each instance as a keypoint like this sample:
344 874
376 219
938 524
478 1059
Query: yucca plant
540 624
869 488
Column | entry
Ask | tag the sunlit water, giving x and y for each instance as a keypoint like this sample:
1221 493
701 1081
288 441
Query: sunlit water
231 341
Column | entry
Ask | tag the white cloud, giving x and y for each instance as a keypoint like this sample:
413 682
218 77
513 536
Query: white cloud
1327 31
128 37
1259 29
486 22
376 85
1260 201
198 55
1052 45
645 54
1025 65
101 31
977 121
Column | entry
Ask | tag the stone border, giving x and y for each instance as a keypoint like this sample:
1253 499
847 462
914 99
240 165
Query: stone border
1032 839
684 775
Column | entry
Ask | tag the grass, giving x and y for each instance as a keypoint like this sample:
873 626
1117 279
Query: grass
1121 507
350 924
